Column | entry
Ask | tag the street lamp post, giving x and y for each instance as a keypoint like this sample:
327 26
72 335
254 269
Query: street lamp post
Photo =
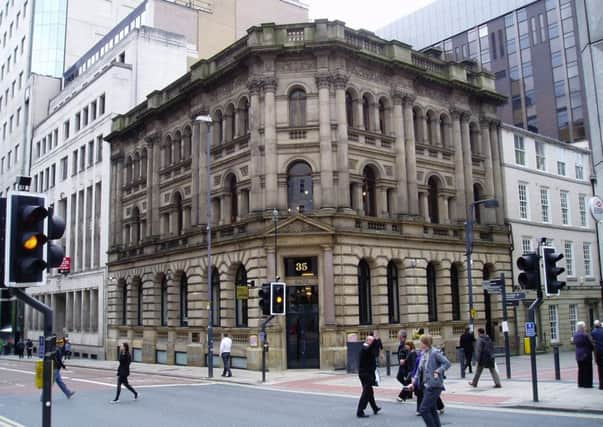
210 321
488 203
275 220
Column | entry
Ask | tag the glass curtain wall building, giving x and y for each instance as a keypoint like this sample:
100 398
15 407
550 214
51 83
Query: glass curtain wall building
532 51
48 37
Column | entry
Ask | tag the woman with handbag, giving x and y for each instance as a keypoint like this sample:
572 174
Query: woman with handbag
123 372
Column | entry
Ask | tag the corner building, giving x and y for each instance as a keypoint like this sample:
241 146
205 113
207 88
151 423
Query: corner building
371 154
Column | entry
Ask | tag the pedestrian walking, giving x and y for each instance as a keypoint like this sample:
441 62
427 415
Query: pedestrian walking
20 349
584 356
366 372
406 364
67 349
225 347
58 365
123 372
485 359
467 342
29 347
430 378
597 335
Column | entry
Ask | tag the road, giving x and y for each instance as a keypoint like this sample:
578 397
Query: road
173 401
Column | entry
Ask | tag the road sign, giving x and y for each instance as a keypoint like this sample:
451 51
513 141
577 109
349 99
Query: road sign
242 292
516 296
512 303
492 286
530 329
41 347
473 313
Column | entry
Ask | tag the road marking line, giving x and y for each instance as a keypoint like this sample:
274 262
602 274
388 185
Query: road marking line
5 422
173 385
18 370
89 381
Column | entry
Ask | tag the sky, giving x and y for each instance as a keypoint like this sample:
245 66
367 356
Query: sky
370 15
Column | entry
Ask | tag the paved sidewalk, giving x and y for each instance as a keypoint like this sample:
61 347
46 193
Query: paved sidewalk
561 395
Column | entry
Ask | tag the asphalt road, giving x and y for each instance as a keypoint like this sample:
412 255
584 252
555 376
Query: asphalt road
170 401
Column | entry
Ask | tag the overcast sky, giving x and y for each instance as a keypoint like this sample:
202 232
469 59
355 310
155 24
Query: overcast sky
370 15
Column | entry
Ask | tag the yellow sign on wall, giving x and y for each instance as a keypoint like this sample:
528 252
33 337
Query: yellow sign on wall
39 374
242 292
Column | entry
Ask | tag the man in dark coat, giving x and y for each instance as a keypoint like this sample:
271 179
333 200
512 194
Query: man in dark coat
366 373
597 335
485 359
466 343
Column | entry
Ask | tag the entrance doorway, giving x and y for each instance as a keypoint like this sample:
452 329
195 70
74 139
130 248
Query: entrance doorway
302 327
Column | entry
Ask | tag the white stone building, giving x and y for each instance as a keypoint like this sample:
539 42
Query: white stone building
547 188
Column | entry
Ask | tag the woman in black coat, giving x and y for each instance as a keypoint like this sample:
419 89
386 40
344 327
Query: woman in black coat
123 372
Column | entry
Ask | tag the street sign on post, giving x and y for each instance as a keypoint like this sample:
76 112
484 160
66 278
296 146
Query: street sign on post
41 347
516 296
492 286
530 329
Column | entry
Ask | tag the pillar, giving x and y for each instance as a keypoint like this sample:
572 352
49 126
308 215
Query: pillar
270 155
196 147
256 196
424 200
411 156
490 214
459 175
382 200
326 150
401 201
343 168
357 189
498 183
467 158
443 209
328 302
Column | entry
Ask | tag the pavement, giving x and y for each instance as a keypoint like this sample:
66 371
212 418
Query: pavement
516 392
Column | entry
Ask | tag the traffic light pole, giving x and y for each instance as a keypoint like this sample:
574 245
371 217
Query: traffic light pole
532 318
506 328
264 342
48 354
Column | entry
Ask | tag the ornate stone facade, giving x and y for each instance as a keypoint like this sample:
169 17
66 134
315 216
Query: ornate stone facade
369 151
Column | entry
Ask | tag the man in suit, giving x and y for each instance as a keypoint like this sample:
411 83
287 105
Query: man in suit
366 372
430 377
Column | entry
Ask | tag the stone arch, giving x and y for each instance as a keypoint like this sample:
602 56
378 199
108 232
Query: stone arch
243 117
368 99
351 102
433 128
300 186
230 123
385 114
418 117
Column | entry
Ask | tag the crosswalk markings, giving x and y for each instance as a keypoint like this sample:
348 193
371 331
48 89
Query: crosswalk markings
6 422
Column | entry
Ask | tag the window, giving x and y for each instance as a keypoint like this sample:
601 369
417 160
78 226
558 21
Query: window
393 293
90 153
74 162
369 192
164 300
82 158
568 251
297 108
215 288
582 208
300 190
544 204
66 130
554 322
241 309
432 298
139 303
364 293
523 201
526 245
540 157
78 122
93 111
101 105
53 171
573 317
184 300
85 117
99 149
455 292
520 152
588 265
564 197
579 172
64 167
561 168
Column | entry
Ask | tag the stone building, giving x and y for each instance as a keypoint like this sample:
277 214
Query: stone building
369 152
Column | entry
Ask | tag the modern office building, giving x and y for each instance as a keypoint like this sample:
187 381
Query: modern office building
547 190
337 164
530 46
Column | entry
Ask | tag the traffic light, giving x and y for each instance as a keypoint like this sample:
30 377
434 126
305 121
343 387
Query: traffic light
529 263
26 235
552 285
277 298
264 295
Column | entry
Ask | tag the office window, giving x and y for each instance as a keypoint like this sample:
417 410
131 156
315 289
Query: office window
101 105
21 80
579 172
64 167
520 152
78 122
568 252
523 201
22 49
561 168
573 317
564 196
18 116
53 171
99 148
74 162
85 117
526 245
82 158
17 153
588 265
582 207
93 111
56 137
545 204
540 156
66 130
554 322
90 153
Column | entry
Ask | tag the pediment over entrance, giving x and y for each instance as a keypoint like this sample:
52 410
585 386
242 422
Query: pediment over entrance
300 224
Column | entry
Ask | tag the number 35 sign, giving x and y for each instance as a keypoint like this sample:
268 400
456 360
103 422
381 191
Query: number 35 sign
306 266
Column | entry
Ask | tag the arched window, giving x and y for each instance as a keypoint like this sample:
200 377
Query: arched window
244 111
164 300
144 164
432 195
218 129
416 119
349 109
129 171
167 151
234 204
177 151
187 147
432 297
455 292
124 305
444 131
369 192
136 167
139 306
474 139
297 108
299 187
178 213
382 123
183 300
366 112
215 290
477 195
241 304
136 238
431 129
231 132
393 293
364 293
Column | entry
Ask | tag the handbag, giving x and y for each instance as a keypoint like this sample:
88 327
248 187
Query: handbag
377 381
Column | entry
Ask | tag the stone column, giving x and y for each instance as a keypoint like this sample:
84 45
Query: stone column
222 210
375 117
256 196
443 209
401 192
382 200
237 125
459 175
343 168
94 311
241 204
357 188
423 126
196 147
490 214
411 156
69 311
435 131
270 155
226 208
359 115
497 175
424 200
328 286
467 158
323 82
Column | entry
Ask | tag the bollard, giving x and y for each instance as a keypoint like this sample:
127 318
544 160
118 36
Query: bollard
556 357
388 370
